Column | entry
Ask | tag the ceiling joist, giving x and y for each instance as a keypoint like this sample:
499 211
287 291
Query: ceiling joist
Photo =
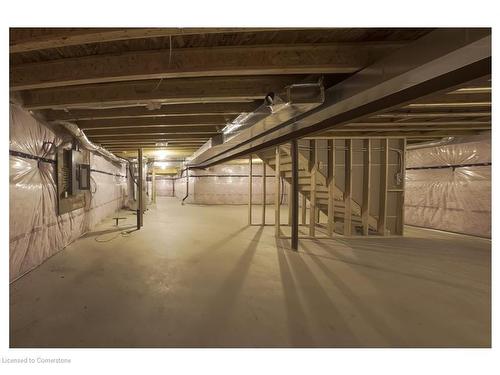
194 109
180 90
152 122
200 62
23 40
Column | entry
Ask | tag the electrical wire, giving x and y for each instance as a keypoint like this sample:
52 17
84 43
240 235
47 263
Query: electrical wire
125 233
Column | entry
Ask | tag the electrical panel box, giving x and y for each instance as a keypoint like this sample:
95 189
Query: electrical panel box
73 179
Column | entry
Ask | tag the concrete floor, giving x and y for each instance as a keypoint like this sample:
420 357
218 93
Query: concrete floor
198 276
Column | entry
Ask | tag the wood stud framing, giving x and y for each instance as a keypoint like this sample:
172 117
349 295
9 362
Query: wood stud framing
331 188
303 216
250 188
381 227
153 185
277 193
365 209
140 187
264 182
312 200
350 204
294 195
348 188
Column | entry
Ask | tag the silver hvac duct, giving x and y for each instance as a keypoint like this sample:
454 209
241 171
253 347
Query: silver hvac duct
276 109
88 145
442 142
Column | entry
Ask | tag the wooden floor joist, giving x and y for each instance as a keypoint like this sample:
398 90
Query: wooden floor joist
21 40
179 90
174 110
340 58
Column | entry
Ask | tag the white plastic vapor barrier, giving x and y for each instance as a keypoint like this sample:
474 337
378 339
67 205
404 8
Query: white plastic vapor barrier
449 187
225 184
165 186
36 230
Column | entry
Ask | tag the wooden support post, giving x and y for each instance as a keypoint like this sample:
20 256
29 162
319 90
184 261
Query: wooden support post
401 218
367 163
153 186
140 187
277 195
312 202
331 188
250 166
263 193
382 211
293 197
304 209
348 189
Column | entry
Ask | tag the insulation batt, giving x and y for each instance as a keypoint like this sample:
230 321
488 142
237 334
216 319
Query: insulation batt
36 231
450 199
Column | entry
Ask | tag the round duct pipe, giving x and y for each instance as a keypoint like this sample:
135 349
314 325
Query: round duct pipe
88 145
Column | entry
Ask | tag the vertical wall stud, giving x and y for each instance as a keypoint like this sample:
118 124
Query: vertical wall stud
140 187
331 187
304 209
263 193
294 195
277 195
382 212
312 201
401 218
348 188
153 185
250 167
367 163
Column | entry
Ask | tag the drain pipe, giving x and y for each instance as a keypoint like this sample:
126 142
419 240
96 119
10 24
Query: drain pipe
187 185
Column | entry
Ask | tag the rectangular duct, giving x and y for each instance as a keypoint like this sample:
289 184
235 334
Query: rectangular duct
277 109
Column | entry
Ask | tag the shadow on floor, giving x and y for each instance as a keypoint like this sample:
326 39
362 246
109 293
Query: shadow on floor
369 314
217 245
107 231
336 256
313 301
222 302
